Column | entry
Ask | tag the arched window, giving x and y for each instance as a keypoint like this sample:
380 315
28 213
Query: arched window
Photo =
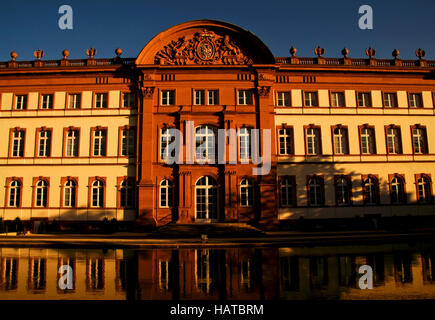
69 194
342 191
424 190
397 187
41 194
166 194
370 188
126 194
315 191
246 193
206 198
245 144
14 193
287 192
205 144
97 191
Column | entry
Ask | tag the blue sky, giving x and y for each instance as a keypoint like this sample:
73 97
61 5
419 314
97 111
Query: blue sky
105 24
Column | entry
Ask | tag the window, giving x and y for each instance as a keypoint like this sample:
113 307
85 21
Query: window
364 99
285 141
47 101
337 99
343 190
390 100
69 194
74 101
167 97
94 274
397 189
17 142
166 138
37 274
199 97
244 144
312 144
419 139
21 102
44 144
367 140
97 194
394 143
246 193
424 188
205 144
99 142
9 273
213 97
101 100
15 194
370 190
288 192
245 97
129 100
126 194
311 99
415 100
41 194
166 194
340 140
283 99
127 142
206 199
72 142
315 191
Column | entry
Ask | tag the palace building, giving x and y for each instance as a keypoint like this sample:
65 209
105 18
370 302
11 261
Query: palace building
88 139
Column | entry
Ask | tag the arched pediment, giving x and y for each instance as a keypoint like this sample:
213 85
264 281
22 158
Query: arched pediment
205 42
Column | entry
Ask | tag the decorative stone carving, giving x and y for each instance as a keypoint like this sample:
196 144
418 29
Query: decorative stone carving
204 47
345 52
263 91
420 53
14 55
118 52
38 54
319 51
65 54
91 52
370 52
147 92
293 51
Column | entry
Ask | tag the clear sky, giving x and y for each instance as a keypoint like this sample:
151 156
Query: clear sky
129 24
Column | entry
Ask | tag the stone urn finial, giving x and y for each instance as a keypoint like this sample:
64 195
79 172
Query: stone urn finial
370 52
293 51
420 53
395 54
91 52
319 51
14 55
38 54
345 52
118 52
65 54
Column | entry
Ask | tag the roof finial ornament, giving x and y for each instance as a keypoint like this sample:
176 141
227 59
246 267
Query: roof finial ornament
91 52
420 53
38 54
345 52
14 55
293 51
395 54
319 51
65 54
370 52
118 52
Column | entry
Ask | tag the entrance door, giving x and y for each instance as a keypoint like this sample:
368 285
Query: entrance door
206 199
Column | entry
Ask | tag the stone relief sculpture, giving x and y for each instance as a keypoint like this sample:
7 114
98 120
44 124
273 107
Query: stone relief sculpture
204 47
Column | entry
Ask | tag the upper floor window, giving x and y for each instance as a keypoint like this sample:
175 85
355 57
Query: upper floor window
283 99
245 143
165 194
311 99
246 193
17 142
367 140
419 139
205 144
312 143
101 100
424 188
72 143
47 101
14 194
167 97
199 97
315 191
166 139
287 192
285 141
126 194
97 194
337 99
415 100
213 97
370 190
20 102
69 194
41 193
44 143
364 99
397 189
74 101
394 141
390 100
244 97
99 142
343 189
340 140
129 100
127 142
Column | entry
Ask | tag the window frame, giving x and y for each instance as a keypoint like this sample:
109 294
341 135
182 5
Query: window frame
248 99
322 190
119 187
9 181
331 98
68 100
311 126
375 178
291 137
316 95
348 180
93 130
345 136
288 99
401 178
94 99
169 91
425 176
169 198
41 100
293 196
63 181
239 143
11 141
420 95
372 128
90 191
135 99
207 159
384 95
38 141
425 141
369 93
34 189
14 101
120 141
400 146
65 141
248 191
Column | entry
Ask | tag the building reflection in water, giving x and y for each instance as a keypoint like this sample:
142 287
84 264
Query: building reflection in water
399 272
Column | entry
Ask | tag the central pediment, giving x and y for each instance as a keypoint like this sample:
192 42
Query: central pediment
205 42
